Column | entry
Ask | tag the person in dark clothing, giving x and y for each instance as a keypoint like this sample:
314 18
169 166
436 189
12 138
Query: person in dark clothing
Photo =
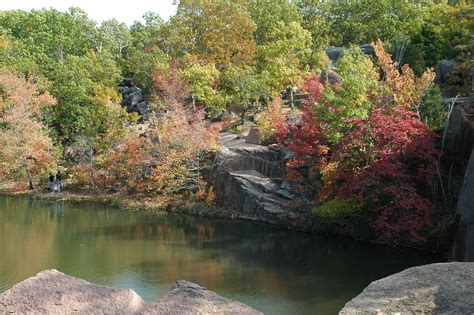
51 182
59 180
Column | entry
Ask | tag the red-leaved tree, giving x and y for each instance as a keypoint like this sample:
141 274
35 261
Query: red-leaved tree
388 162
170 87
306 141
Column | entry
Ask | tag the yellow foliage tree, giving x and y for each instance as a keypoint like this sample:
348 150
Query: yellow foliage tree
406 90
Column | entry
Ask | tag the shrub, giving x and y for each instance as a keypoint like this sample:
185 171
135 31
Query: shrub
338 208
271 122
387 161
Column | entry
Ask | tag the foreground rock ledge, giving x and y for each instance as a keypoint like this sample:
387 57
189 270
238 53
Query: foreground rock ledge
53 292
446 288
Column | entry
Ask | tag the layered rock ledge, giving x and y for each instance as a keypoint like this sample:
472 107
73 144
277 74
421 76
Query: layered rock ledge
445 288
53 292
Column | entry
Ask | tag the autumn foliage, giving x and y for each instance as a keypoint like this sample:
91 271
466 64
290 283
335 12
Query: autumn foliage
306 141
406 90
384 162
169 87
388 162
26 151
166 158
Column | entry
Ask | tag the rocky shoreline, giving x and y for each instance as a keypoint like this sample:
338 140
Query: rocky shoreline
53 292
442 288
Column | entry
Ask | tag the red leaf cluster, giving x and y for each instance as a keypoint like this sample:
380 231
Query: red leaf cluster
387 161
169 86
306 139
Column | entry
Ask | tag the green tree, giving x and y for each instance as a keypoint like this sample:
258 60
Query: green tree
351 99
203 84
243 86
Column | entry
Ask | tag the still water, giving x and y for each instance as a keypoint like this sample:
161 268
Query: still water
275 271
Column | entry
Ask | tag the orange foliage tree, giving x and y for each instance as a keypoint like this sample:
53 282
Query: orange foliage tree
168 157
406 90
26 151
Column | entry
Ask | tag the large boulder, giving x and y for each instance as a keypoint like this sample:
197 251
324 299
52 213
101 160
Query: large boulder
53 292
443 68
133 99
253 137
329 76
463 248
189 298
446 288
334 53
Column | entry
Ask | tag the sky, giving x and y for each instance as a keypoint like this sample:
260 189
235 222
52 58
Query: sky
99 10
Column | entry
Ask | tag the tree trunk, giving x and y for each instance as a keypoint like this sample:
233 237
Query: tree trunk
30 179
292 99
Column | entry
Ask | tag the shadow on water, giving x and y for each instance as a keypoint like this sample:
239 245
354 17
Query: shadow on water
275 271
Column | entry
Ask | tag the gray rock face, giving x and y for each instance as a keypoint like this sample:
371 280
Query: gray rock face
249 178
446 288
253 137
334 53
442 70
189 298
460 148
330 76
133 99
52 292
464 245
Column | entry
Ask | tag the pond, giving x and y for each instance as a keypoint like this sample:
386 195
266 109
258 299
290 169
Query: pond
275 271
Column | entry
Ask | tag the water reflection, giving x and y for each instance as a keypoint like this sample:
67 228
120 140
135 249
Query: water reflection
276 271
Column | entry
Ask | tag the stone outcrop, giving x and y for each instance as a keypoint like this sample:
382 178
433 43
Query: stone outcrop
445 288
329 76
336 52
249 177
443 68
463 249
460 149
133 99
52 292
189 298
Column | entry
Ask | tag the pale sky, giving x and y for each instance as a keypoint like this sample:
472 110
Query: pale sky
124 11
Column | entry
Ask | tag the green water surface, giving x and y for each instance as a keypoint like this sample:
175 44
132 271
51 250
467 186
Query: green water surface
273 270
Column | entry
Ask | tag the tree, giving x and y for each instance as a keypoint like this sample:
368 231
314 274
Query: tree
406 90
284 56
317 21
115 36
145 55
387 162
203 84
170 87
353 98
307 141
218 32
25 149
283 45
341 23
244 87
168 157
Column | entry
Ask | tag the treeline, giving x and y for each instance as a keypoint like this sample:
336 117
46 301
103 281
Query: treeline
60 105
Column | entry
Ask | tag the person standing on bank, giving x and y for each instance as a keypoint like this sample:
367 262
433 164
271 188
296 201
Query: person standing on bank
51 182
59 181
